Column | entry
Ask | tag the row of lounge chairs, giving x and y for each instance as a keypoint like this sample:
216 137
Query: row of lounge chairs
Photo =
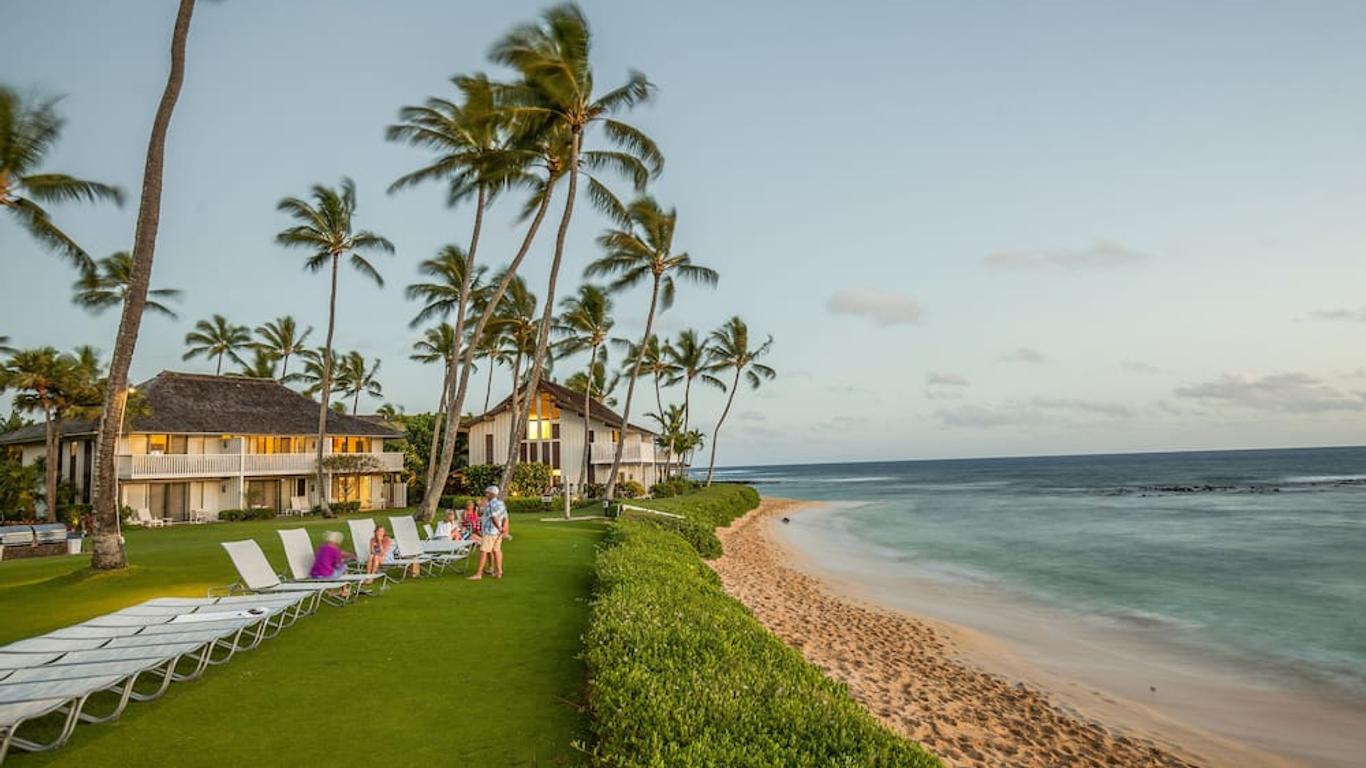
89 672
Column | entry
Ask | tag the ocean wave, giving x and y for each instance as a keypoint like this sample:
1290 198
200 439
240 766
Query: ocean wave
1322 479
1133 618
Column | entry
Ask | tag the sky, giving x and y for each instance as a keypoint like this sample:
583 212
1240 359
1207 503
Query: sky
972 229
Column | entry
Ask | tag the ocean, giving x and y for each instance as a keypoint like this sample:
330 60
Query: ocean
1257 557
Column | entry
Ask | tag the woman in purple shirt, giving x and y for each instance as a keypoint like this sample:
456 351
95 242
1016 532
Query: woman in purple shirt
330 561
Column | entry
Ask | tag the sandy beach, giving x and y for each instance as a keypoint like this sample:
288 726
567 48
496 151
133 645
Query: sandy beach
956 691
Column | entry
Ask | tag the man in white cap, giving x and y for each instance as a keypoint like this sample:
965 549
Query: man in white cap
493 527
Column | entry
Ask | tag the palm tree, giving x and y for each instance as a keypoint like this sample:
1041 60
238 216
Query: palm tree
688 355
671 434
445 292
325 231
596 385
281 340
516 325
312 377
354 378
107 286
58 386
6 349
554 99
215 338
639 251
28 132
469 141
728 348
437 345
390 411
108 546
262 365
585 323
492 349
655 362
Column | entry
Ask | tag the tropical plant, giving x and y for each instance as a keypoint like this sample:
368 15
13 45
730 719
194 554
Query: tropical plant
28 131
436 345
390 411
584 325
281 340
311 377
5 348
640 251
670 423
516 325
108 545
596 385
355 378
107 285
492 350
655 362
324 229
58 386
472 160
554 99
215 338
688 356
728 349
262 365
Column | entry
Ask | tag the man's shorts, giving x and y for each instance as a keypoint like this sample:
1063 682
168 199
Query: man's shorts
493 543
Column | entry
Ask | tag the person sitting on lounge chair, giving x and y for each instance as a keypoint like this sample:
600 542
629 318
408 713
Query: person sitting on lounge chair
448 528
330 561
381 550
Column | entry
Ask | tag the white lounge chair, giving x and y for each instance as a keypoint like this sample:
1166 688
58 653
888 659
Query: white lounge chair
299 554
363 530
143 516
257 575
443 553
27 701
16 714
298 505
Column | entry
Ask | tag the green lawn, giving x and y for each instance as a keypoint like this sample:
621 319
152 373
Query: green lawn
441 671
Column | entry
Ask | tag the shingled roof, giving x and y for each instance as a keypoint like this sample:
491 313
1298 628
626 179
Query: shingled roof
199 403
568 400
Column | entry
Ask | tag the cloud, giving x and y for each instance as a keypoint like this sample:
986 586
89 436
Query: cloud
1137 366
1026 355
837 423
1294 392
1036 412
1099 255
1340 315
943 394
750 416
946 379
882 307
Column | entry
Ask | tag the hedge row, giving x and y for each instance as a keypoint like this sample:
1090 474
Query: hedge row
683 675
515 504
703 512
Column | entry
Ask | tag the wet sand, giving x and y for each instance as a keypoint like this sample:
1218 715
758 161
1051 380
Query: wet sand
964 695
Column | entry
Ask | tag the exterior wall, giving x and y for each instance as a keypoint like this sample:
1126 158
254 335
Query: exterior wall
572 436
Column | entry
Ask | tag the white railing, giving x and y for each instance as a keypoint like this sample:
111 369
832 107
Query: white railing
174 465
632 454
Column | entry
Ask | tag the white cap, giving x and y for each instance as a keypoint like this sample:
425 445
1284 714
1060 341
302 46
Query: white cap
493 489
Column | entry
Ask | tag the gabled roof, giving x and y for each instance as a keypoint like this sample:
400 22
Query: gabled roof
568 400
200 403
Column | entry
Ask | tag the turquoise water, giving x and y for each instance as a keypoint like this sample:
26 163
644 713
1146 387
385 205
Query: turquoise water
1258 555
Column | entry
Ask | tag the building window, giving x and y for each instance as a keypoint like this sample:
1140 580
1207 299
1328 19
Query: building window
488 448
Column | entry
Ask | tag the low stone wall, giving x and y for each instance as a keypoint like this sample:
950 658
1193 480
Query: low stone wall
35 550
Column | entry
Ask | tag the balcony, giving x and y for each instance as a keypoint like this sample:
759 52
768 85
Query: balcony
633 454
193 465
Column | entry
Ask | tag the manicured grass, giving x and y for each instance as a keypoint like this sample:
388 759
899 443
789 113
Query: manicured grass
440 671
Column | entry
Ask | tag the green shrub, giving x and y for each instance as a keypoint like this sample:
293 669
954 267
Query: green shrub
682 675
237 515
592 490
630 489
480 476
716 506
529 479
702 538
515 504
676 486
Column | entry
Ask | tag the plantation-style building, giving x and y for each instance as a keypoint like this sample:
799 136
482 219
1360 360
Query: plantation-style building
199 444
555 436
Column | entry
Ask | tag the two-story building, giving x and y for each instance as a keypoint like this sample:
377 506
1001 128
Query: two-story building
555 435
199 444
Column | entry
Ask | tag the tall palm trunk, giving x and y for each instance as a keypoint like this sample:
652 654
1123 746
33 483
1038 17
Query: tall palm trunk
326 393
457 403
687 404
631 389
284 367
428 511
355 403
548 314
513 442
218 369
435 447
587 419
488 390
716 433
108 549
51 438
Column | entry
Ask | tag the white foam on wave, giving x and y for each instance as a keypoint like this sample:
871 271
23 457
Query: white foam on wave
1310 479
